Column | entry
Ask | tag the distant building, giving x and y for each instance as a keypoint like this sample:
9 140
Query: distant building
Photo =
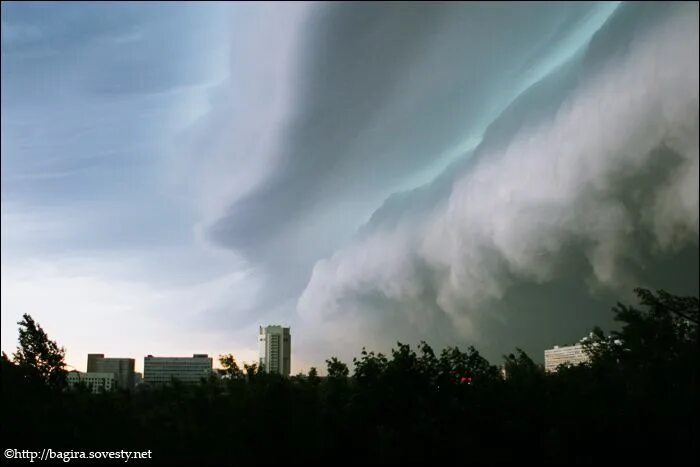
275 345
572 354
96 381
123 368
138 378
188 370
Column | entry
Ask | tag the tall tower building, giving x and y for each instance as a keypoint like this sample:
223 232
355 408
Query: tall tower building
275 345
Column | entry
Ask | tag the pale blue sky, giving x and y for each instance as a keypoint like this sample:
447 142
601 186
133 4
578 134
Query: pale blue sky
174 175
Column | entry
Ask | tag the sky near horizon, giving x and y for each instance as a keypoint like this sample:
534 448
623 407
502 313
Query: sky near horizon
487 174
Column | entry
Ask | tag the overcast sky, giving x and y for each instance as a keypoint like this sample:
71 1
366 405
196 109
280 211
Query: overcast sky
488 174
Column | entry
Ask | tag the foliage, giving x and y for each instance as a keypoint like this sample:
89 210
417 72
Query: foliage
337 369
229 367
39 356
636 400
313 376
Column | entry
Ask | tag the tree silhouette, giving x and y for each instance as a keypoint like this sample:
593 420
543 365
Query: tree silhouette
636 400
39 355
312 377
229 367
337 369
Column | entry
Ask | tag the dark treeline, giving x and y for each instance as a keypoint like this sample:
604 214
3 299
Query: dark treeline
637 400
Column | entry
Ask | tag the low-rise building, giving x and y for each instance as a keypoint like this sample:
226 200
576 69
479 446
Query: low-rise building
123 368
96 381
188 370
571 354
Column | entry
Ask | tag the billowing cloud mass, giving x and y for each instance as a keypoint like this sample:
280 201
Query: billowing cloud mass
496 174
609 175
483 173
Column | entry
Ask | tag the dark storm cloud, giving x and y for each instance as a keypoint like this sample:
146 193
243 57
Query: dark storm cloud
383 90
487 173
382 97
585 187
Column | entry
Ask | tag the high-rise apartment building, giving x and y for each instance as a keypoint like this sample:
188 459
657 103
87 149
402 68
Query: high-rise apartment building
123 368
275 345
188 370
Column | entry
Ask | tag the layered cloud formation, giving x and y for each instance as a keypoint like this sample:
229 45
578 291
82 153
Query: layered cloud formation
608 177
511 161
485 173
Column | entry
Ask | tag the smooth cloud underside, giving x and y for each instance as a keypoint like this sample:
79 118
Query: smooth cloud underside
595 196
377 92
347 104
477 173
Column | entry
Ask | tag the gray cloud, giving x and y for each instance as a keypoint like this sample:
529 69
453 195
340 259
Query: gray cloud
459 173
383 89
580 191
377 98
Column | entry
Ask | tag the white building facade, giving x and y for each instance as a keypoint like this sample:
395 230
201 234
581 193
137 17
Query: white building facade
572 354
96 381
275 346
187 370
